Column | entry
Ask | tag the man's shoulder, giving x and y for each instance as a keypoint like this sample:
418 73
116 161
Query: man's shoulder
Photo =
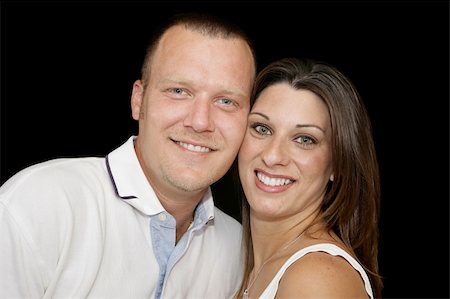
53 173
226 221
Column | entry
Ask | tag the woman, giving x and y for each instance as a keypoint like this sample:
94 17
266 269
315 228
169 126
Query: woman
310 176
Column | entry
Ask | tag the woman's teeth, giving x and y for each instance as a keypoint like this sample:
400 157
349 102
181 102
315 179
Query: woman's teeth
272 181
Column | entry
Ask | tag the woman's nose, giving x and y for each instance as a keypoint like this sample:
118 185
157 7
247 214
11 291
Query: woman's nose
276 153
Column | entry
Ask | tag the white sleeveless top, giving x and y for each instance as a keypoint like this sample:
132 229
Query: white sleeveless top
272 288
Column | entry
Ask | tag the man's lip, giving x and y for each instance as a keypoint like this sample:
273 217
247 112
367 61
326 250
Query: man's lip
193 146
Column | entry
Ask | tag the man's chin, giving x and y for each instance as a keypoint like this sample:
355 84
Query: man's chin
192 184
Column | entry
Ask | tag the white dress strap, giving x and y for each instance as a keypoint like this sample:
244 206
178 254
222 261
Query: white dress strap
272 288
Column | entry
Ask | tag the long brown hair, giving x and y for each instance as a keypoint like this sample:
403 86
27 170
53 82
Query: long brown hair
352 201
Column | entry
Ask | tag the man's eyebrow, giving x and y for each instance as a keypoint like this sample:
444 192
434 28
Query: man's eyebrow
233 92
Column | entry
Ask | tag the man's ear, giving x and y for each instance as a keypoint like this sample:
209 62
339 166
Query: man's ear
137 96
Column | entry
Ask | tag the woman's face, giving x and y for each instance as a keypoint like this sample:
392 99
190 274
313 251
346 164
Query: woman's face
285 159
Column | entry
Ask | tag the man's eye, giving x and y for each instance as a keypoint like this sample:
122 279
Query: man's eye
177 90
226 101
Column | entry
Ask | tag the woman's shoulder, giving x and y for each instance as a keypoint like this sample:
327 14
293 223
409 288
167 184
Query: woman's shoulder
322 271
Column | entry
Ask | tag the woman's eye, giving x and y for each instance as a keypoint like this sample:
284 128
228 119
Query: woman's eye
305 140
262 130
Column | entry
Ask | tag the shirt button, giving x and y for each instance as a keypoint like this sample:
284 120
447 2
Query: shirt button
162 217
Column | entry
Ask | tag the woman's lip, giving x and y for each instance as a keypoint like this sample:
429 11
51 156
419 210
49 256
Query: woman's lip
273 183
275 176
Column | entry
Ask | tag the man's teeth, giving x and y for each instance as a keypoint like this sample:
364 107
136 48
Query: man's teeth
272 181
194 148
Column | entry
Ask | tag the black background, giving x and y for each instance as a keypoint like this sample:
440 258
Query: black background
67 70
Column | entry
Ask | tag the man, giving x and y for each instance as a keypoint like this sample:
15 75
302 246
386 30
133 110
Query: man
141 222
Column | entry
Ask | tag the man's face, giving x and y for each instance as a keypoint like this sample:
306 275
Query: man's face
193 113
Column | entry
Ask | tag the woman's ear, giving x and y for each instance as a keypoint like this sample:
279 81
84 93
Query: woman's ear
332 177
